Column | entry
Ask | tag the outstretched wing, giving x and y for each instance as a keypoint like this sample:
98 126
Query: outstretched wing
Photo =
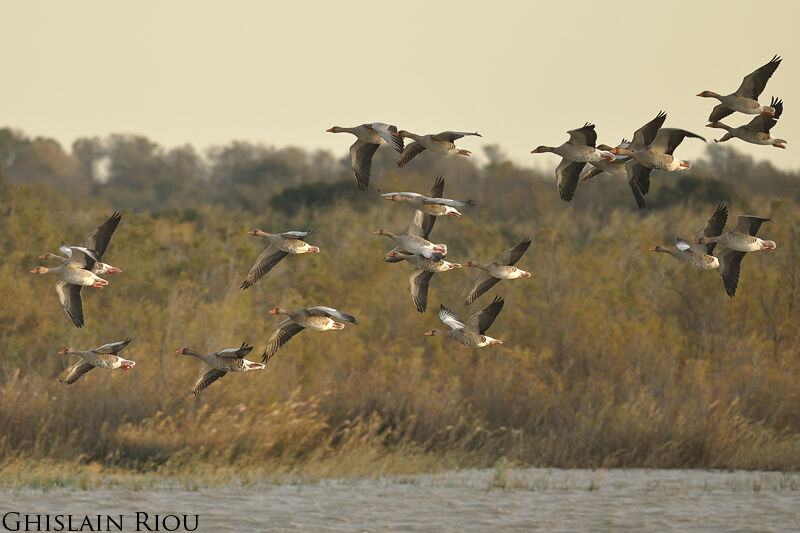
100 236
749 224
410 152
235 353
668 139
421 224
76 371
754 83
453 135
70 297
512 255
206 377
263 264
330 312
299 235
583 136
729 264
645 135
418 282
568 174
113 347
713 228
285 331
450 318
719 112
484 283
483 319
386 131
361 160
82 257
438 188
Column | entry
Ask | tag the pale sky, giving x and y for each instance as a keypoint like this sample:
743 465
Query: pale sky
281 73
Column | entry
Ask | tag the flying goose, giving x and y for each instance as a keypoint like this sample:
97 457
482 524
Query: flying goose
616 167
97 241
745 99
289 242
500 268
104 356
369 138
575 153
319 318
420 277
219 363
73 275
441 143
415 239
757 130
473 332
654 155
433 204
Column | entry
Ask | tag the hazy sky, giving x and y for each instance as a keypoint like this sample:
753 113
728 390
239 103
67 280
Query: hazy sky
281 73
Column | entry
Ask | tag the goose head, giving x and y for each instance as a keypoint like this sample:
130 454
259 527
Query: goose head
708 94
258 233
188 351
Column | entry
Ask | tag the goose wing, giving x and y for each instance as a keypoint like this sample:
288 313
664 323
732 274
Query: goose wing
668 139
451 136
719 112
450 318
330 312
206 377
483 319
70 297
437 190
76 371
421 224
82 257
418 282
645 135
100 236
512 255
749 224
298 235
410 152
113 347
583 136
763 123
361 160
568 174
484 283
754 83
729 264
386 131
713 228
235 353
263 264
283 332
639 174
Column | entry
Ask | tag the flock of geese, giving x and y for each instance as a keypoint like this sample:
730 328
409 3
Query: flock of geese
651 148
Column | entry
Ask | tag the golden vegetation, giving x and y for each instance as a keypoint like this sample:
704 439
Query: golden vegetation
612 356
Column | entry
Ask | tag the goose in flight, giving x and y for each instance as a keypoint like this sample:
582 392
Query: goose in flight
288 242
319 318
472 332
104 356
745 99
219 363
441 143
368 138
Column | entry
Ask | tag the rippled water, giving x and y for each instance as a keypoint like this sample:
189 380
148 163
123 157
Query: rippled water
467 500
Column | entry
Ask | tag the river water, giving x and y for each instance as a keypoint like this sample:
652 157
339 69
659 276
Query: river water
550 500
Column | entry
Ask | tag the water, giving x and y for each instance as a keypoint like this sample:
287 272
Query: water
469 500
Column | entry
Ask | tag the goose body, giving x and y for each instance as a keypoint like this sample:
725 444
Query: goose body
73 275
104 356
441 143
501 268
415 239
433 204
319 318
420 277
575 153
757 130
369 138
472 332
280 245
745 99
219 363
742 237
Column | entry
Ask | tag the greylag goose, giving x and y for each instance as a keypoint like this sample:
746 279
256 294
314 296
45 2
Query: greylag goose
575 153
319 318
745 99
420 277
289 242
473 332
97 241
500 268
370 137
73 275
104 356
655 155
219 363
415 239
616 167
433 204
757 130
441 143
